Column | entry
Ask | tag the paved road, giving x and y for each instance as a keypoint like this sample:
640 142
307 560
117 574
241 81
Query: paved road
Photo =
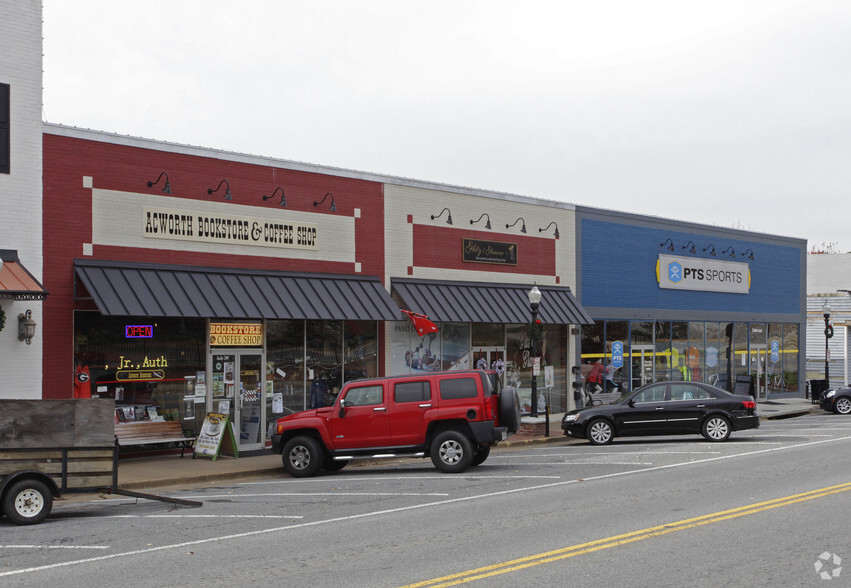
757 510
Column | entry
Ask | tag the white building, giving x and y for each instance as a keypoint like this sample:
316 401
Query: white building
21 194
828 283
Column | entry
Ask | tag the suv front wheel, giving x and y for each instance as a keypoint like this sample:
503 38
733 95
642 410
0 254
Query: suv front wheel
451 452
302 457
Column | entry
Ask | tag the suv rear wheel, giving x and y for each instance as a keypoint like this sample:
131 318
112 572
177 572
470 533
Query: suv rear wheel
509 410
302 457
451 452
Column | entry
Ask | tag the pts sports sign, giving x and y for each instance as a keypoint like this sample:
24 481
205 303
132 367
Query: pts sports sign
707 275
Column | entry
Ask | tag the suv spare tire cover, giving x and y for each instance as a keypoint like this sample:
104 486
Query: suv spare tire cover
509 409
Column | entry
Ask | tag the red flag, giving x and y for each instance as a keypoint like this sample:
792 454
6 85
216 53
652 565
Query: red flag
421 323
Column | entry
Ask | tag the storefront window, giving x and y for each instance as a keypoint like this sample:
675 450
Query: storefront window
789 352
151 367
617 332
593 347
757 360
740 351
285 366
488 334
774 359
714 355
662 340
324 361
518 359
727 359
554 367
454 346
361 345
641 353
696 351
679 352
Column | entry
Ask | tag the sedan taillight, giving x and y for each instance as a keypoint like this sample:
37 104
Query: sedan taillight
749 403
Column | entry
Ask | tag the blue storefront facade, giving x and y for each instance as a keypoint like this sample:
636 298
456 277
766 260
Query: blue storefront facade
683 301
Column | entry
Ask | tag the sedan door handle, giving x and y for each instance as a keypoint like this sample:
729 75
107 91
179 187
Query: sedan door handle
425 405
660 408
701 406
379 409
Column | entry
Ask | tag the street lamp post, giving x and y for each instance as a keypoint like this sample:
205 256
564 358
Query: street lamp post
828 333
534 301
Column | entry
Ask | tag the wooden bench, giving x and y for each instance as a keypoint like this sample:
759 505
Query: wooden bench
153 433
604 398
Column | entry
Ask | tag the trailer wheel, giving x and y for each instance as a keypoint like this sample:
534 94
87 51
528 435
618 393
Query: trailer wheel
28 502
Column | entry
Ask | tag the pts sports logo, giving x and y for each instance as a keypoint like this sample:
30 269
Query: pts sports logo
677 273
706 275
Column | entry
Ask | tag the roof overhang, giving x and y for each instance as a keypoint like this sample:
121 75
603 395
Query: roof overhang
137 289
16 282
478 302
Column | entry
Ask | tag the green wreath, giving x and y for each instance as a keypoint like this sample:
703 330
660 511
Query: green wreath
535 331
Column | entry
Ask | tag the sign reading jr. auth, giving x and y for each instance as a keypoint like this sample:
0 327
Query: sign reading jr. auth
708 275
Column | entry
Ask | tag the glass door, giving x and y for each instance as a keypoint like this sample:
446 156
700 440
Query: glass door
249 418
237 390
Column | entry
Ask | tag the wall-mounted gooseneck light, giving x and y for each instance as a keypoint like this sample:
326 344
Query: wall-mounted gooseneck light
689 247
283 202
522 226
748 254
227 191
711 249
26 327
729 251
166 188
333 207
448 215
487 224
555 233
667 244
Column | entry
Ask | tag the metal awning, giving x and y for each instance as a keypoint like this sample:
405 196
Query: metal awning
16 282
136 289
475 302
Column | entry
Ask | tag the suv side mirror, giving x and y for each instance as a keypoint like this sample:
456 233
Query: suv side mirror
343 404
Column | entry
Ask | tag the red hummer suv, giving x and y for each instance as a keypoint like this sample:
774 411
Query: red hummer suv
452 417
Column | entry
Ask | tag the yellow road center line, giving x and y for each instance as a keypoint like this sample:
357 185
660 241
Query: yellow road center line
624 539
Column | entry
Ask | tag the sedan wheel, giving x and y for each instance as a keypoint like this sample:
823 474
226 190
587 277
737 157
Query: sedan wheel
843 405
716 428
600 432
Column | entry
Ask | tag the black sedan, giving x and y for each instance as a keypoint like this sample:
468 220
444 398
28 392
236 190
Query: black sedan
838 400
665 408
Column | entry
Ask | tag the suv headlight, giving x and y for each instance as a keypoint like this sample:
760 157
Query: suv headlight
830 394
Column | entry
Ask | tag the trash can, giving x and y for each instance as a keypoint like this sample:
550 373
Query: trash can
817 387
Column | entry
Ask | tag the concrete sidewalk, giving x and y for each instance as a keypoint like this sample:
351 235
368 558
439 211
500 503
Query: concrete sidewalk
162 471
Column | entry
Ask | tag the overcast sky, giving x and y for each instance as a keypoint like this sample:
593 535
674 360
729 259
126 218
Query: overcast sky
733 113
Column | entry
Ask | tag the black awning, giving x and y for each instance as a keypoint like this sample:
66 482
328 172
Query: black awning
135 289
473 302
16 282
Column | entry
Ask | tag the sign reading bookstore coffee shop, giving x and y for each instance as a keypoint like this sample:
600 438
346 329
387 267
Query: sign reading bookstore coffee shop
236 334
490 252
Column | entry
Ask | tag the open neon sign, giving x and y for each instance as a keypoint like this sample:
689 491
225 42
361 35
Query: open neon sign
138 331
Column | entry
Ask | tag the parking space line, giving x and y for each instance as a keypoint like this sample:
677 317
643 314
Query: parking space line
189 516
320 494
54 546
